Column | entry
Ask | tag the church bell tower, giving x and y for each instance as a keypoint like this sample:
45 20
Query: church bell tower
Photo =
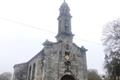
61 60
64 24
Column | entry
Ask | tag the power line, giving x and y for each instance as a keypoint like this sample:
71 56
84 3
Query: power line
41 29
27 25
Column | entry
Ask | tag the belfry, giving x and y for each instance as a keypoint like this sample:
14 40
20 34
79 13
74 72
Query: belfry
64 24
61 60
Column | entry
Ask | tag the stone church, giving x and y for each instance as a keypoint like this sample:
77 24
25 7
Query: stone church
61 60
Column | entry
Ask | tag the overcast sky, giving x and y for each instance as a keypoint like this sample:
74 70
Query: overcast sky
26 24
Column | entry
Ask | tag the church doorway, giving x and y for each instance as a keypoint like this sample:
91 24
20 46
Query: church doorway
67 77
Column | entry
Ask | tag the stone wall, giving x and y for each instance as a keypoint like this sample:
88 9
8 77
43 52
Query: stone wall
20 71
54 62
50 64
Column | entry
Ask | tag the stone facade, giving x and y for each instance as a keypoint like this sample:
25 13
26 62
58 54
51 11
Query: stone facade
59 60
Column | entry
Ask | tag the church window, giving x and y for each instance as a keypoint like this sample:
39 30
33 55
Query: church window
66 25
42 64
66 28
29 74
60 24
33 71
67 47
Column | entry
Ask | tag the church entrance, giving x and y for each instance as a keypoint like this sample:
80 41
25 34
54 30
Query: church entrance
67 77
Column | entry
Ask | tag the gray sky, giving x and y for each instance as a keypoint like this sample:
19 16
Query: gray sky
26 24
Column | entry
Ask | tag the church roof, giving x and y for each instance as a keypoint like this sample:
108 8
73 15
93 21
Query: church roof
64 5
64 8
20 64
40 54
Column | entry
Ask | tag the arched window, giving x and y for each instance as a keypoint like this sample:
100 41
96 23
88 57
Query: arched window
33 71
29 73
67 77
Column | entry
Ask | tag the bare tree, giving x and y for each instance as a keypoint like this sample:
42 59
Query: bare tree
111 41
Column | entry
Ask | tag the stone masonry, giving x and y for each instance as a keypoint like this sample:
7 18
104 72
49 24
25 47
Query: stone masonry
61 60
